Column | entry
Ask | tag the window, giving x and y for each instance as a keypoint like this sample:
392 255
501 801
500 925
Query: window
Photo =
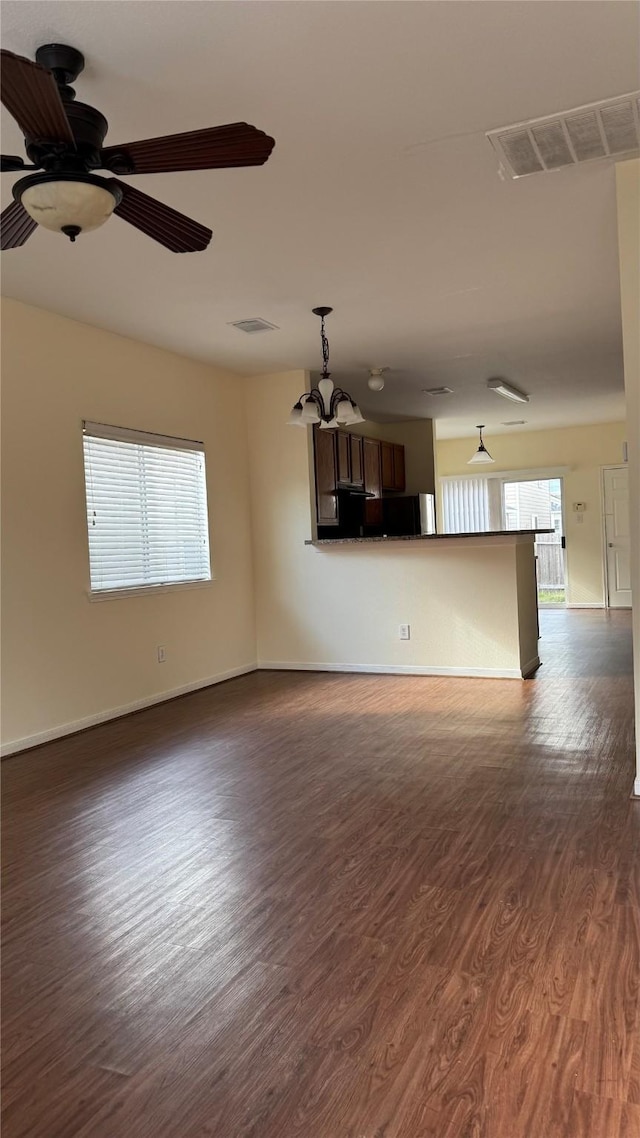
146 509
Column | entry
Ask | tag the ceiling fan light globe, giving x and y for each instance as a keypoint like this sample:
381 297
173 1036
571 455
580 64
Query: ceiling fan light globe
57 205
375 382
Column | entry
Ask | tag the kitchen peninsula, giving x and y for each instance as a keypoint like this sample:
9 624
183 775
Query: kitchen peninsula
469 600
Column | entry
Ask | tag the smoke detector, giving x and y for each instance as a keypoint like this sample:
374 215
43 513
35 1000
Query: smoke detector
253 325
375 381
608 129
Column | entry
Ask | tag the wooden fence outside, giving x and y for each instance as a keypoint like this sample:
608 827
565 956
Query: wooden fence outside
550 565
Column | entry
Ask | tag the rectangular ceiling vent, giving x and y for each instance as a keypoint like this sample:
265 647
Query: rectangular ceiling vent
607 129
255 324
437 391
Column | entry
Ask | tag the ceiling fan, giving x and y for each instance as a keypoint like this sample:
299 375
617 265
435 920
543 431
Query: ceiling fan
64 138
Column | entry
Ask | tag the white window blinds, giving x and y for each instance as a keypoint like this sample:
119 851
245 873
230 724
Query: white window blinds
465 504
471 505
146 509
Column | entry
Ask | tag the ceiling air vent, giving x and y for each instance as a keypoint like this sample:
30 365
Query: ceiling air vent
598 130
437 391
255 324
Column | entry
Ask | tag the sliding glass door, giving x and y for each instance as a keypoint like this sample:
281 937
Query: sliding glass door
537 504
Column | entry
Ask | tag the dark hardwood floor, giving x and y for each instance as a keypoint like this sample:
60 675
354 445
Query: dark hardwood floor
334 906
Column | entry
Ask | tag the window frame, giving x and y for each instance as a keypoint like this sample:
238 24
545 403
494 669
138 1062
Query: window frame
95 429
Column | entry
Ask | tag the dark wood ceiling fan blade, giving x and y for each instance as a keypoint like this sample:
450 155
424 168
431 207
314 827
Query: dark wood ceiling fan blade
10 162
16 226
31 95
237 144
172 229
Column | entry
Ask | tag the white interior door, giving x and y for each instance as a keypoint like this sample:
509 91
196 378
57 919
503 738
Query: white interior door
616 517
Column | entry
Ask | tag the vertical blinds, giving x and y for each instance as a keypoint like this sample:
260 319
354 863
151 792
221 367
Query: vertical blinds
472 505
465 505
146 509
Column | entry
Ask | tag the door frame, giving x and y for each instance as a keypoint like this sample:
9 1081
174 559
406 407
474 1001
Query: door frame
603 527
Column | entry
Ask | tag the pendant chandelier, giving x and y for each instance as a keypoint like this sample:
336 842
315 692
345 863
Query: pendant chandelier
325 404
482 454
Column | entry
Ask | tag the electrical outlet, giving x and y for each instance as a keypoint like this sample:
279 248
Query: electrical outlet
404 631
162 653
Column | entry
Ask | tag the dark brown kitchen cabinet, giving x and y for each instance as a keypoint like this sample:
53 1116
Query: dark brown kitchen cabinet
386 465
398 467
372 481
357 465
392 466
344 457
345 462
325 452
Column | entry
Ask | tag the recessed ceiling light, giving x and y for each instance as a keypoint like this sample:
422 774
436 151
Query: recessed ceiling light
255 324
501 387
437 391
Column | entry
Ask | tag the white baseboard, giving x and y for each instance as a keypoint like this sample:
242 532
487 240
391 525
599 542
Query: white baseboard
636 788
589 606
530 667
28 741
391 669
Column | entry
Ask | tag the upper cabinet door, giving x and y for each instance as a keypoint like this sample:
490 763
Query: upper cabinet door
325 464
399 482
344 457
357 466
372 475
386 457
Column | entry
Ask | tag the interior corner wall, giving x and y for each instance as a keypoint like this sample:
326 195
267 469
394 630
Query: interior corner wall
68 661
585 450
628 204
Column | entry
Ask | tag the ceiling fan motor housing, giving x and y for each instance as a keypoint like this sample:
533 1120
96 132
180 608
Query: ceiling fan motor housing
89 126
64 61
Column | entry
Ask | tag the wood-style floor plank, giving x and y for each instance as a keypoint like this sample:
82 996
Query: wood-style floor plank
326 906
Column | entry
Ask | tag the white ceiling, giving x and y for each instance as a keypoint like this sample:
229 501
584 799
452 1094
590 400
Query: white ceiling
382 196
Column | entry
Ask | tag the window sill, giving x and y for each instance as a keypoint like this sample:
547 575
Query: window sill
146 590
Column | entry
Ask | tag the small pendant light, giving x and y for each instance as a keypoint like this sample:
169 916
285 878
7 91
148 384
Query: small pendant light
482 454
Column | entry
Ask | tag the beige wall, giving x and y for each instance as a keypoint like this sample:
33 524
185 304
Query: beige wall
66 659
628 199
341 606
585 450
417 438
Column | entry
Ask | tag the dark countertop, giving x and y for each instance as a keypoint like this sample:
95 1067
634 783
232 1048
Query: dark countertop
428 536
